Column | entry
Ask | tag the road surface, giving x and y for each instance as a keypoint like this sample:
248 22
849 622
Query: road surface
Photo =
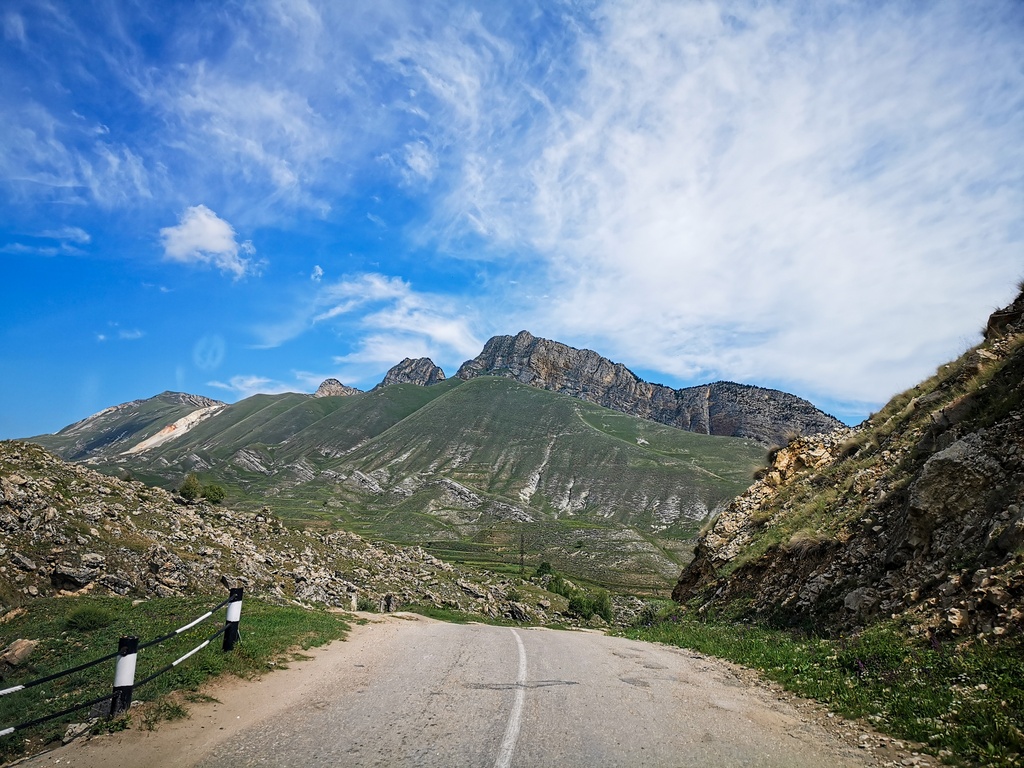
408 691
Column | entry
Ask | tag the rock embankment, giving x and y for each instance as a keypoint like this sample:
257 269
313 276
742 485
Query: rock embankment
68 529
722 408
917 512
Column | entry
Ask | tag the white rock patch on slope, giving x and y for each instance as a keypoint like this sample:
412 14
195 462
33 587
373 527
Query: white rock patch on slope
171 431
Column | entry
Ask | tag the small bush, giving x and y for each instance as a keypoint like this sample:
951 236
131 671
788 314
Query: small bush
190 489
581 605
213 493
560 586
544 569
365 603
86 618
602 605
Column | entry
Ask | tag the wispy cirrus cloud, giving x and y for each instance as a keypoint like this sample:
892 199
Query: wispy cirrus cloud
730 190
69 234
202 237
386 316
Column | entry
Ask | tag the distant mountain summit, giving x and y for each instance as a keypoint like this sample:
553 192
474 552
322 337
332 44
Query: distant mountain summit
420 371
334 388
722 408
121 427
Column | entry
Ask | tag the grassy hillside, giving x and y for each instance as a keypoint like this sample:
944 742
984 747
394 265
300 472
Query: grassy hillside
468 469
116 429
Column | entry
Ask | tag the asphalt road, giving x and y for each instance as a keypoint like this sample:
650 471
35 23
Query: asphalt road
408 691
432 694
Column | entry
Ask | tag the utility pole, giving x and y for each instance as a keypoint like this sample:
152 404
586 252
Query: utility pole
522 552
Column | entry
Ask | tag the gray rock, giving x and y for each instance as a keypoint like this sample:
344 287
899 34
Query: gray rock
66 577
420 371
93 560
23 562
334 388
722 408
17 652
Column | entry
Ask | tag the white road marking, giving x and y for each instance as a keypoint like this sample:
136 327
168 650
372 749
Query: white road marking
508 744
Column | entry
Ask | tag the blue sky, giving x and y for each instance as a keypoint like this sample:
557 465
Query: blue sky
234 197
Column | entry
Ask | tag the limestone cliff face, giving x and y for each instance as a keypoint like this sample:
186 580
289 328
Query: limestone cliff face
920 511
420 371
722 408
334 388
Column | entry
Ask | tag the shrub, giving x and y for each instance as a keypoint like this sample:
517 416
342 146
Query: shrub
213 493
544 569
560 586
86 618
581 605
365 603
602 605
190 489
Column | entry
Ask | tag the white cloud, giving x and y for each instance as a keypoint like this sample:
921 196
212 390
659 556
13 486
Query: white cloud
243 386
420 163
35 250
385 320
202 237
741 191
317 274
14 27
70 234
130 334
45 157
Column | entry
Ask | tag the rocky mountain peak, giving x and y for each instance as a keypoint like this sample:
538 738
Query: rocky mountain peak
721 408
334 388
420 371
184 398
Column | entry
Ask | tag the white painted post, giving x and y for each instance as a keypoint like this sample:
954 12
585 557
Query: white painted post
234 616
124 674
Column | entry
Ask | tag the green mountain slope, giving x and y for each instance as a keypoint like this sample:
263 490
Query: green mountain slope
113 430
470 468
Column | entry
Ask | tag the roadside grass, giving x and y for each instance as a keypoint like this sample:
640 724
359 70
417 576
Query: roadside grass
965 702
72 631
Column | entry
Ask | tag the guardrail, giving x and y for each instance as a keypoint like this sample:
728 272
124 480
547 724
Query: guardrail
128 648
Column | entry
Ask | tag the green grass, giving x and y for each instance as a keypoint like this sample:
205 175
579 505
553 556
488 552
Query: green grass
964 702
66 640
584 469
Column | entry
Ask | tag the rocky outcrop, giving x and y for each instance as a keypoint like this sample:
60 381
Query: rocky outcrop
420 371
334 388
918 513
722 408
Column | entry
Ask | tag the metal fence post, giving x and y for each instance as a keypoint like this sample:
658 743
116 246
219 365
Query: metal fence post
234 615
124 675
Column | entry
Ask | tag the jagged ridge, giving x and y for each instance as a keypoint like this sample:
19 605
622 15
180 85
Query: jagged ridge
721 408
420 371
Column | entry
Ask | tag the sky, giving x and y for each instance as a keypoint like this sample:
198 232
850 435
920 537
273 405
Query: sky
226 198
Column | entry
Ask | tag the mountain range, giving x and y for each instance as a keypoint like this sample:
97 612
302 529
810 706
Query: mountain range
533 444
